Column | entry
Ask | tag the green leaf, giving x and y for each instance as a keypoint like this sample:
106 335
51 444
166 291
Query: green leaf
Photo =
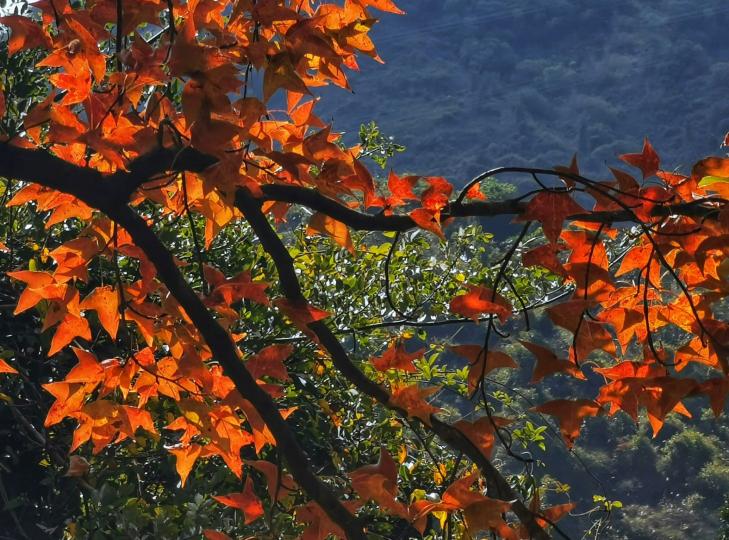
708 180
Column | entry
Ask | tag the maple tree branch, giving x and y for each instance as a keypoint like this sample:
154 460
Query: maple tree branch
361 221
94 190
314 200
103 192
119 33
225 351
106 191
43 167
534 172
291 287
386 272
494 479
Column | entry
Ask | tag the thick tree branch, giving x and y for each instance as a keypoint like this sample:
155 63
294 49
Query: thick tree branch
273 245
291 288
98 191
314 200
224 350
105 192
379 222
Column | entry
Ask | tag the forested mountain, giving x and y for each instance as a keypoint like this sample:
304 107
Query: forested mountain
496 82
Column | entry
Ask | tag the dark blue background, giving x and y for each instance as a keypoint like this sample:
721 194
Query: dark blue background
472 84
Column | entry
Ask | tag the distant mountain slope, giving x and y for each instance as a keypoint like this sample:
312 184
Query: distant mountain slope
471 84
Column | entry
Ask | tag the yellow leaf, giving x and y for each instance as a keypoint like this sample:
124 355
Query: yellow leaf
439 474
402 453
441 516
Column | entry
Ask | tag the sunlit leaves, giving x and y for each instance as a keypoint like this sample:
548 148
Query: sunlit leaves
551 208
379 483
185 459
396 357
105 301
479 300
413 400
711 173
338 231
88 369
427 220
384 5
270 362
25 33
246 501
481 513
482 362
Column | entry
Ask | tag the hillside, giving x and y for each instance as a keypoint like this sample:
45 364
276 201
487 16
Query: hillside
495 82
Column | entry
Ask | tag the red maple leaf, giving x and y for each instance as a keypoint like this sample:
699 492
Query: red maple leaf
647 161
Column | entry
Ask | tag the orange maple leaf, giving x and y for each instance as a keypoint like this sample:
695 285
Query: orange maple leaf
269 361
570 414
551 208
336 230
436 196
481 431
401 188
479 300
301 313
411 399
70 328
545 255
25 33
246 501
280 485
379 483
382 5
88 369
396 357
211 534
427 220
478 368
319 525
105 301
6 368
548 363
717 389
185 460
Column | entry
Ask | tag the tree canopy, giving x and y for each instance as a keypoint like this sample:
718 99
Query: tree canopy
237 310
